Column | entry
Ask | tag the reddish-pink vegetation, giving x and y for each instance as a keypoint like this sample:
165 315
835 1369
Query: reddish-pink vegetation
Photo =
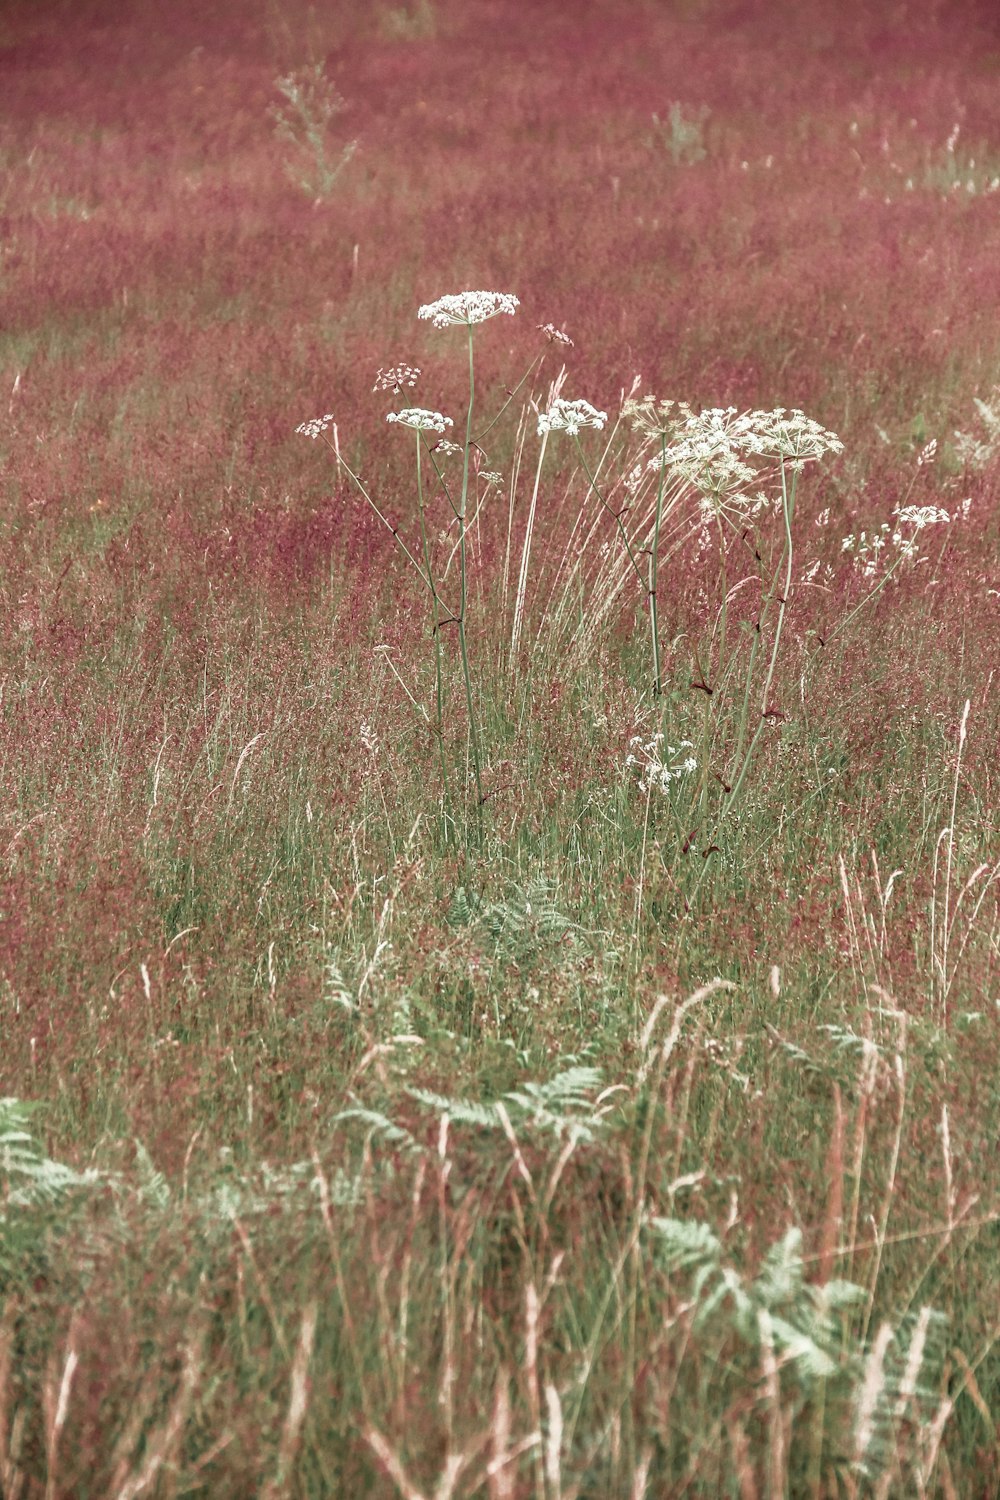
180 573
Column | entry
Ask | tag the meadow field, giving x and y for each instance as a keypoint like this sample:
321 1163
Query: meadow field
500 852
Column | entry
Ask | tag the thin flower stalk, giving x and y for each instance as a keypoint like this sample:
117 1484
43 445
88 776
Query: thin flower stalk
464 585
436 621
316 428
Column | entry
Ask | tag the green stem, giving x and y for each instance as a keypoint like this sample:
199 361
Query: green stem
786 562
382 517
463 522
616 517
653 572
436 630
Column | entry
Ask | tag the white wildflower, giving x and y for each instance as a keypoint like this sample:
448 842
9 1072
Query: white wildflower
315 426
910 520
659 764
919 516
720 451
420 420
467 308
396 377
569 417
369 739
448 448
491 476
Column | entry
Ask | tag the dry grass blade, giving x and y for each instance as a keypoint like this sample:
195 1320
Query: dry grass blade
161 1445
298 1402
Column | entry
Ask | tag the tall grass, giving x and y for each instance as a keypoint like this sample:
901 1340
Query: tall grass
514 1016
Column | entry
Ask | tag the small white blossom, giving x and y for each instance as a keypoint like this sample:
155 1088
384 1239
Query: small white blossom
396 377
420 420
910 520
569 417
315 426
659 764
491 476
448 448
369 739
467 308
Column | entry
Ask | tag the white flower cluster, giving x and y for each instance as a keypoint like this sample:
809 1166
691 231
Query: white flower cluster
467 308
659 764
555 335
369 739
315 426
720 451
919 516
570 416
491 476
910 521
396 377
448 448
420 420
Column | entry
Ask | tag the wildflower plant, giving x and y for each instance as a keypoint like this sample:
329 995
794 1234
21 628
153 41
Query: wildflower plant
465 310
311 104
717 472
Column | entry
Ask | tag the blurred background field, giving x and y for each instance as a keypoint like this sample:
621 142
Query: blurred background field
368 1161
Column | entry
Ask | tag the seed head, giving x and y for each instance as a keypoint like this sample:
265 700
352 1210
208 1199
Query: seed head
395 378
555 335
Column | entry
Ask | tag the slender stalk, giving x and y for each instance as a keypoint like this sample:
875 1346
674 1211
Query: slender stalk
744 763
654 558
463 561
614 514
436 631
382 517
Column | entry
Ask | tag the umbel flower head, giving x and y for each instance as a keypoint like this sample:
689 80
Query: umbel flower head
467 308
658 763
315 426
420 420
396 377
720 452
570 416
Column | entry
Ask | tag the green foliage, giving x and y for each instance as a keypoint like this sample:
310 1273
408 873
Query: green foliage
563 1105
980 450
681 136
37 1195
408 23
312 103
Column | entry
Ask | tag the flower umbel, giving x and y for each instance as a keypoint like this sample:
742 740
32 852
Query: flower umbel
315 426
659 764
420 420
395 378
466 308
716 450
569 417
